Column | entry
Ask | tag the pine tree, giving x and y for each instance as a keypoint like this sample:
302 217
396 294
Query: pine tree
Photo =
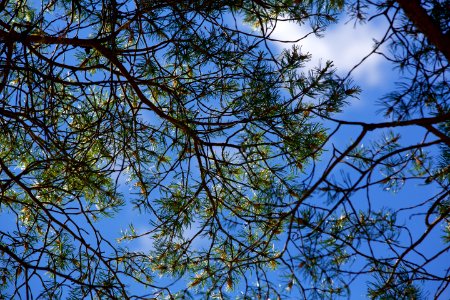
183 112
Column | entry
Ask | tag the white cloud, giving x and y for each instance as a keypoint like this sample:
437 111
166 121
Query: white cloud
146 243
345 44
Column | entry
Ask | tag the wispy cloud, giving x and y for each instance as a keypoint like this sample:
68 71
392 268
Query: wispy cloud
345 44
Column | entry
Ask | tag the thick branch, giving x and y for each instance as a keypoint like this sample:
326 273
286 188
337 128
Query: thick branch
417 14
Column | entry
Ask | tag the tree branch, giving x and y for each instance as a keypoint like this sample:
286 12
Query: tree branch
419 17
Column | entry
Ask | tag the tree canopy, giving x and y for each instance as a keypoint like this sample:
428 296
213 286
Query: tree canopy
183 113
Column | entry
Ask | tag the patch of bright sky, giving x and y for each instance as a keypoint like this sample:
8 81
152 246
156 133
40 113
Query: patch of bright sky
345 43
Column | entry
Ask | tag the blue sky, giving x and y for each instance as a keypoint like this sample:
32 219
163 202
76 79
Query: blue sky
346 45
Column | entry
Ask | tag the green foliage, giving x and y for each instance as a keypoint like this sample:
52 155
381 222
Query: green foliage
223 150
400 286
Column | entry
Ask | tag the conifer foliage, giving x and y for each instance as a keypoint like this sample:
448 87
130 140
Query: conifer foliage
184 114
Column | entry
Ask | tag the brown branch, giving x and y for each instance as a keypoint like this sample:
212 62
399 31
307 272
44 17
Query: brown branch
425 23
425 121
438 133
